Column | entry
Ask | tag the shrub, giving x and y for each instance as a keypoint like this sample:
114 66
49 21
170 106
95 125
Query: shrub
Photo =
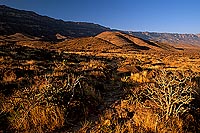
172 92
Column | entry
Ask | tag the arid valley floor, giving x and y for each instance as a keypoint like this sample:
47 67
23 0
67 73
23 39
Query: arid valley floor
113 82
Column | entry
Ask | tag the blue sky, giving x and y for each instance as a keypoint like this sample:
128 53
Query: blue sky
175 16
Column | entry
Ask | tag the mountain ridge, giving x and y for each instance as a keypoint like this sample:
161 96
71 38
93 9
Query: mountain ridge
28 22
170 38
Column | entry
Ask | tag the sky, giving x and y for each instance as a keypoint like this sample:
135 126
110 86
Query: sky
173 16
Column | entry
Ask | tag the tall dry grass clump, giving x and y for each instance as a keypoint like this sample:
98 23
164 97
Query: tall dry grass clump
49 104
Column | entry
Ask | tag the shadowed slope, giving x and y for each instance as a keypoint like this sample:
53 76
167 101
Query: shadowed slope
18 37
28 22
110 42
130 42
121 40
150 44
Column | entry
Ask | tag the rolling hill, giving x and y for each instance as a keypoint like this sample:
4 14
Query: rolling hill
130 42
85 44
20 25
110 41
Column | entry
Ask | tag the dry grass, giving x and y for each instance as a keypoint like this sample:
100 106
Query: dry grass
9 76
150 109
30 109
44 92
46 105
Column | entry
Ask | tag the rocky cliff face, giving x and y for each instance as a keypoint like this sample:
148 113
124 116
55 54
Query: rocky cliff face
171 38
19 21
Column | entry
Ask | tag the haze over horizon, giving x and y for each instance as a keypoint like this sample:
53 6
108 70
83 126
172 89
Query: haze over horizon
172 16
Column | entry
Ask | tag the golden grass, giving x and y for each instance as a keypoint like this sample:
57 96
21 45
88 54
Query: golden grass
140 77
9 76
42 105
29 111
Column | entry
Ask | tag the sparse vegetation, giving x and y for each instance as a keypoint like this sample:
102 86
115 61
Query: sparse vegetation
45 88
46 106
157 106
58 76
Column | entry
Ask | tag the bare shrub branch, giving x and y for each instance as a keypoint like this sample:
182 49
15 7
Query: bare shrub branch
172 92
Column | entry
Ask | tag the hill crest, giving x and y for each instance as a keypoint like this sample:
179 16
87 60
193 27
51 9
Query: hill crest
130 42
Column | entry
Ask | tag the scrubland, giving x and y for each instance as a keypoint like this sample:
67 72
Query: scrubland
52 90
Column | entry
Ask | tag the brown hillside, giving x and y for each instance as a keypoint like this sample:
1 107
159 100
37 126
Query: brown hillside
121 40
18 37
86 44
142 42
130 42
114 38
151 44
